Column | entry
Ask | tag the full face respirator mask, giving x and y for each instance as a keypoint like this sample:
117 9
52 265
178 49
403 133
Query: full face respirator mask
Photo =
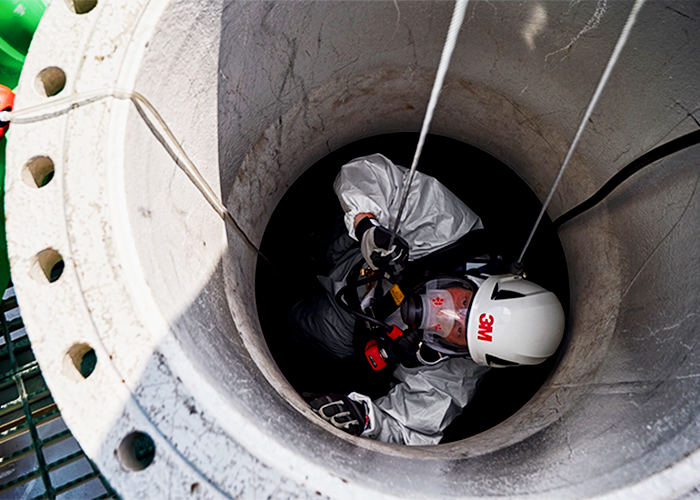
434 311
431 324
439 310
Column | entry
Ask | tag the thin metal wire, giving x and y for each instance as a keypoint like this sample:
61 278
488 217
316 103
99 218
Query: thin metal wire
448 49
589 110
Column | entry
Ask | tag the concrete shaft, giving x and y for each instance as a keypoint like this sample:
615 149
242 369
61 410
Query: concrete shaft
257 92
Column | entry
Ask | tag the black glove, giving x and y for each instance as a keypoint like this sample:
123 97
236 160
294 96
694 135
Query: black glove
374 243
341 411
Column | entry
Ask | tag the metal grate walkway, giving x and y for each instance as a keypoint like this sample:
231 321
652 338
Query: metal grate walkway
39 458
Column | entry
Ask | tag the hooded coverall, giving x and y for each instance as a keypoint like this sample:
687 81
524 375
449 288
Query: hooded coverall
427 398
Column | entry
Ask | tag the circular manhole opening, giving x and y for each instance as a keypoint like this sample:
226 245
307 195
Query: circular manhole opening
507 207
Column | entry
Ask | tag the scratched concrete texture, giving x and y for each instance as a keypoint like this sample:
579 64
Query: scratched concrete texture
257 92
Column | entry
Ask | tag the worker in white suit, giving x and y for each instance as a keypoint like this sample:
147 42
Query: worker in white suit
439 331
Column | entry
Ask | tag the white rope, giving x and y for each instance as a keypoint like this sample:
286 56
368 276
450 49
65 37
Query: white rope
594 100
450 42
155 123
163 133
60 106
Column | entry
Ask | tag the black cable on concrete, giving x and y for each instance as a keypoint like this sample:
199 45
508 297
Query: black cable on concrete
624 35
635 166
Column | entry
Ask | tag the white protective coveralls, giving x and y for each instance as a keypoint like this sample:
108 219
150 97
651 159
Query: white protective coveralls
427 398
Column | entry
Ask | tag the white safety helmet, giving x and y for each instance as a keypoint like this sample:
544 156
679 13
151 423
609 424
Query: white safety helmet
513 322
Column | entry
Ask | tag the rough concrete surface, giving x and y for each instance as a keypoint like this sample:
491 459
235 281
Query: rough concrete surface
257 92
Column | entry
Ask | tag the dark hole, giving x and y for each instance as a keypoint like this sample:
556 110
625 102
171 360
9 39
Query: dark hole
505 204
56 271
505 294
88 363
47 178
144 449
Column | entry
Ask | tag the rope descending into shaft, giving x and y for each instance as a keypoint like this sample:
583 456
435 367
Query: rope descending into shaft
450 42
594 100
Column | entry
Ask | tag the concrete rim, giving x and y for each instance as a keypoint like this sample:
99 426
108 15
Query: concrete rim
102 212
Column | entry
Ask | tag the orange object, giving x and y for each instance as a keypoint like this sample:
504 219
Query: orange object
7 100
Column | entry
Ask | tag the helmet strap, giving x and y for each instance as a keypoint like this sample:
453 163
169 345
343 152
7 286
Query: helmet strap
429 356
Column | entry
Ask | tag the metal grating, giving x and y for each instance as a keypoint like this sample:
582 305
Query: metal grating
39 458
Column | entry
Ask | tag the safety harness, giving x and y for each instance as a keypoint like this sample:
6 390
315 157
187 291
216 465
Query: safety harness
385 344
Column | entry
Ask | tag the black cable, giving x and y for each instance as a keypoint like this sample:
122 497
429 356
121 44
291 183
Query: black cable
339 299
352 284
648 158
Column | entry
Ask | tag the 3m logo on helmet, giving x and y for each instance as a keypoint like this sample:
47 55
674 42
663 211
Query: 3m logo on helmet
485 328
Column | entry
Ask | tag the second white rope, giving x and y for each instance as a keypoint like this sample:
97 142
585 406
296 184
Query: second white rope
589 110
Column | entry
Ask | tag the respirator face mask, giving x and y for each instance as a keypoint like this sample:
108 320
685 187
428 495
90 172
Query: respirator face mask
440 313
439 310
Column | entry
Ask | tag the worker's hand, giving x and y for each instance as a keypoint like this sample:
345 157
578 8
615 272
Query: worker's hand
340 411
374 243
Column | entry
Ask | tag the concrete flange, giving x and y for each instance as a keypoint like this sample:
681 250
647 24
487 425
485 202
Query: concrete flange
257 92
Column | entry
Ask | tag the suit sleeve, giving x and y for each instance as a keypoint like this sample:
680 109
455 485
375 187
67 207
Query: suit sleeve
419 408
433 216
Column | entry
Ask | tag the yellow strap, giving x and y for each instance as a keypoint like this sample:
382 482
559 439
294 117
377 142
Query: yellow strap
396 294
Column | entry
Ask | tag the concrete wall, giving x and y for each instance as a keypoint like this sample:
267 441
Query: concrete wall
257 92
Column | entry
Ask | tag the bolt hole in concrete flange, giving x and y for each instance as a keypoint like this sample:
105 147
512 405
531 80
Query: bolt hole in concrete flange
81 6
50 81
137 451
38 172
591 435
80 361
47 266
